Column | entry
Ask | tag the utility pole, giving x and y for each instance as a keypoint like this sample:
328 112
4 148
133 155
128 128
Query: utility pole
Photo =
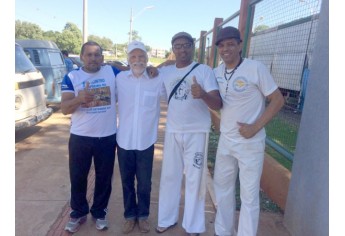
130 26
132 18
84 21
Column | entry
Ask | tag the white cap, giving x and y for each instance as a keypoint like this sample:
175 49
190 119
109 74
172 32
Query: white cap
135 45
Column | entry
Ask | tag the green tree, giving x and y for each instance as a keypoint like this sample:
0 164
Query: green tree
120 49
260 28
70 39
94 38
104 42
27 30
51 35
148 48
135 35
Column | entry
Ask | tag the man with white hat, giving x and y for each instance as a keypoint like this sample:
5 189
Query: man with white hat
138 98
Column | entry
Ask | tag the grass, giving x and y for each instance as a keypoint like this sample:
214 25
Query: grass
283 133
279 157
266 204
157 61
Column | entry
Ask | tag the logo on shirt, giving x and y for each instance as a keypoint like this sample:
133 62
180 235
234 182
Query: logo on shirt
240 84
198 160
182 91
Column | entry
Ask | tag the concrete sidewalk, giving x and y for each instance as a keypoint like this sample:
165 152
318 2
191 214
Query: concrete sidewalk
42 189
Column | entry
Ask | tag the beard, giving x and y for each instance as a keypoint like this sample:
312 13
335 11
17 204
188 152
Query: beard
138 68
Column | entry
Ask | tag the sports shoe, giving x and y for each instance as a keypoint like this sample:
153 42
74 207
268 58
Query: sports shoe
144 225
74 223
128 226
102 224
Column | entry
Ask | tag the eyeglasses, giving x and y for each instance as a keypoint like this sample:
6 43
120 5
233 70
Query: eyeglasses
185 46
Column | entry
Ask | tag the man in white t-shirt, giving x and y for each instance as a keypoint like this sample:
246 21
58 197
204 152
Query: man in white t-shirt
138 99
244 85
88 94
187 128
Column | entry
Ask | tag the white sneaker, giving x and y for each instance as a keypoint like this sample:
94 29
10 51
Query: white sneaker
101 224
73 224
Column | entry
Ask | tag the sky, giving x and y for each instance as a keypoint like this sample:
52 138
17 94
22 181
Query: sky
111 18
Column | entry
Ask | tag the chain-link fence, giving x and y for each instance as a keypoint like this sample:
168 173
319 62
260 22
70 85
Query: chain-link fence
280 34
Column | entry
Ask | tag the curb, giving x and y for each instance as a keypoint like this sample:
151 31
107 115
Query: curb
275 181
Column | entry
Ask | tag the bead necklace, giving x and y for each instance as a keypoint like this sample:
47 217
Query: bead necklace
231 73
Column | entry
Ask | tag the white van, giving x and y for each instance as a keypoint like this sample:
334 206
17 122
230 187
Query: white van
47 57
30 100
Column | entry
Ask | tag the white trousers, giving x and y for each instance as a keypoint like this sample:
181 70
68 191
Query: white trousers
247 158
183 154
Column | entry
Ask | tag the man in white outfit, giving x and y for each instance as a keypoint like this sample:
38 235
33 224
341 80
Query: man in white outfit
188 123
244 86
138 99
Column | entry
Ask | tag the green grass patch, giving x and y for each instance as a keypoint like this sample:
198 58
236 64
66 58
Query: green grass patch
282 133
279 157
156 61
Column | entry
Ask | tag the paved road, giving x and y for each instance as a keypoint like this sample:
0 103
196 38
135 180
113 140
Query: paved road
43 188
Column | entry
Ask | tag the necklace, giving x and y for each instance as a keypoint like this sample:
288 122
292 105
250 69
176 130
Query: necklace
231 73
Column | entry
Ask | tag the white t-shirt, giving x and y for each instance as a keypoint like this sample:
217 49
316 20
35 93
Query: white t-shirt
98 120
186 114
138 102
245 99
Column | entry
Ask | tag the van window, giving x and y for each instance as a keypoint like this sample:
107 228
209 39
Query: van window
56 59
22 64
39 57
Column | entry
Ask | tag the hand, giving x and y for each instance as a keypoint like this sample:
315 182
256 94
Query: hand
247 130
152 71
85 96
197 90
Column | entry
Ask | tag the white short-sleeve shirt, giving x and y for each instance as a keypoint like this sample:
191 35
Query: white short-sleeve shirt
99 119
244 101
186 114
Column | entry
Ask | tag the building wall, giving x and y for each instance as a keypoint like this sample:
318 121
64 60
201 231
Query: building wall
159 53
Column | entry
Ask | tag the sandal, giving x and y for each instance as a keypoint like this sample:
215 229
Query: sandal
163 229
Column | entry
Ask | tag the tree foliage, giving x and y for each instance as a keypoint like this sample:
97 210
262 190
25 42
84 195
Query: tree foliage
27 30
104 42
70 38
260 28
135 35
51 35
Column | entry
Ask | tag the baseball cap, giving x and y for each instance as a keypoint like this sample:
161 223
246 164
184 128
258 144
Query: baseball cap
135 45
182 35
228 33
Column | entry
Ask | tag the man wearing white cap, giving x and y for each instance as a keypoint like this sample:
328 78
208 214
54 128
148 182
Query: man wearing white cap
138 98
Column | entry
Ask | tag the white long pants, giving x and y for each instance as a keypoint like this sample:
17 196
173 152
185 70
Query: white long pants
183 153
248 159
